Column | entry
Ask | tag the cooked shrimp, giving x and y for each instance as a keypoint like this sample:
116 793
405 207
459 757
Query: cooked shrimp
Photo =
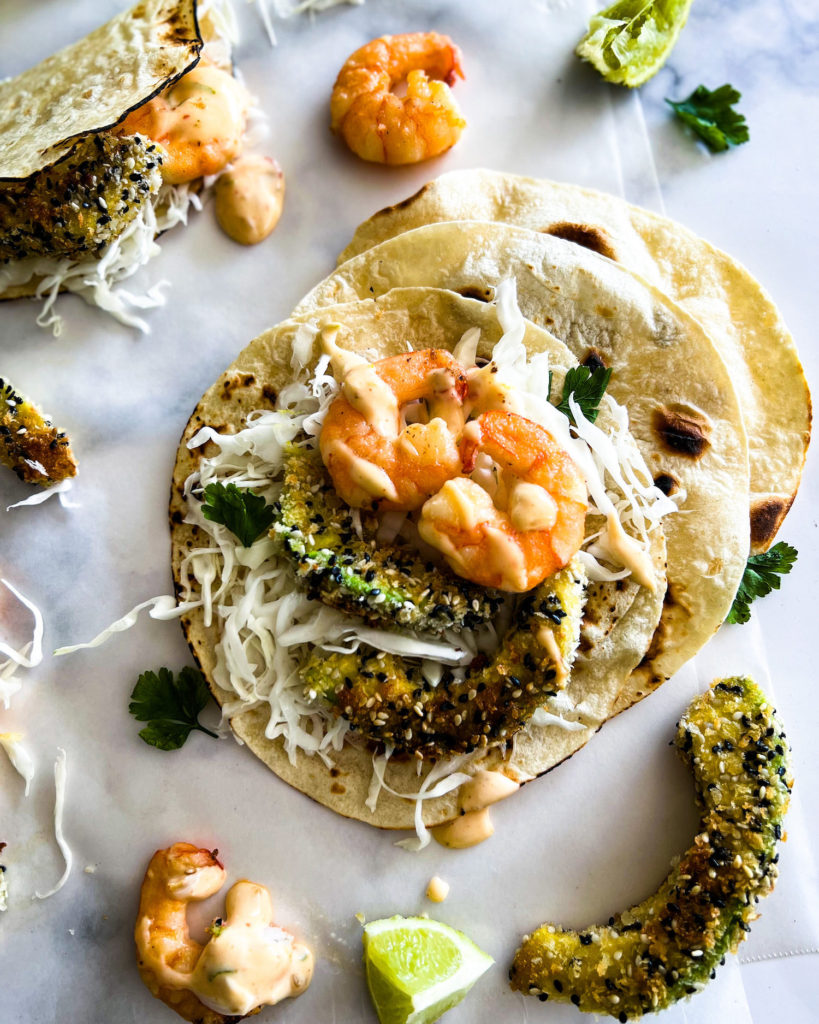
166 953
380 126
198 120
534 525
247 963
369 452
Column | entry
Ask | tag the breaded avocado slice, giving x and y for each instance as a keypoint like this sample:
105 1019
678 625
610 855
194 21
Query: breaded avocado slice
386 584
36 450
388 702
82 202
669 945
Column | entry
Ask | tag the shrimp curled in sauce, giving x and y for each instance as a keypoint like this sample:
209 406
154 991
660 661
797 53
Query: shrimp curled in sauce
380 126
247 963
369 452
532 524
198 120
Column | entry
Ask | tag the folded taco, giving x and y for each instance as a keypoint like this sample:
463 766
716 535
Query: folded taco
450 559
104 145
738 314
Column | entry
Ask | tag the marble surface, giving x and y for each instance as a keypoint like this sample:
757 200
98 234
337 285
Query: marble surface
532 108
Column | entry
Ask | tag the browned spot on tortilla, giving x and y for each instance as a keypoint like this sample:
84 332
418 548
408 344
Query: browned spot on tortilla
667 483
682 430
485 294
403 204
269 395
334 772
587 235
594 360
338 788
605 311
766 518
177 517
658 640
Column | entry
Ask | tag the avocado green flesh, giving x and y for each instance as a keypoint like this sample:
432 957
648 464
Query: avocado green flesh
81 203
668 946
29 444
388 701
383 584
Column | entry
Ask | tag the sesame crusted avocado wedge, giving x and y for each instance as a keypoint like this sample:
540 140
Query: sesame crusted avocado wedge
668 946
366 624
30 444
97 157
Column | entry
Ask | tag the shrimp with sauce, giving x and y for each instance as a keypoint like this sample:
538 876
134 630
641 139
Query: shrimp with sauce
531 526
248 962
199 121
379 125
369 452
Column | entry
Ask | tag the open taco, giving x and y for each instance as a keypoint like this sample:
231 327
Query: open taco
736 311
97 156
683 410
293 665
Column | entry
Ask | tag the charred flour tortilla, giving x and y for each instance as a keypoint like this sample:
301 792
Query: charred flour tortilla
620 618
732 306
683 410
51 113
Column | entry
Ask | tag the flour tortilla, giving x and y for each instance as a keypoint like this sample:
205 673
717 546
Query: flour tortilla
716 289
620 618
683 410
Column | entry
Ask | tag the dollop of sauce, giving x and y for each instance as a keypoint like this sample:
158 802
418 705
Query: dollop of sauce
199 119
473 824
437 889
628 552
249 198
547 639
250 962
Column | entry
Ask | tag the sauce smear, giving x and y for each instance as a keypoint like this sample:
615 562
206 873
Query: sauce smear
249 199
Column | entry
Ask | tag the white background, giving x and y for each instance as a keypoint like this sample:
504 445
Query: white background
585 840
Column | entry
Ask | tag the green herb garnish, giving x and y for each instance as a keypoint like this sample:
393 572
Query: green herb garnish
762 575
170 706
588 387
712 116
245 514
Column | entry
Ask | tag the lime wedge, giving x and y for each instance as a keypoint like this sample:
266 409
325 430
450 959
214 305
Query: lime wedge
630 41
418 969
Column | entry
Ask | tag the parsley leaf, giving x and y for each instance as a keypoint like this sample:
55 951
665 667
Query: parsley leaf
588 387
762 575
170 706
711 116
245 514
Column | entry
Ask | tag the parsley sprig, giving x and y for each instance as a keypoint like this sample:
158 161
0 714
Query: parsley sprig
711 115
588 387
762 575
170 706
245 514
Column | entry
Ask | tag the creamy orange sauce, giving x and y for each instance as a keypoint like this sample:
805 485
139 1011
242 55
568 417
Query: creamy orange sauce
629 553
251 962
487 392
372 398
473 824
531 507
372 480
437 889
199 120
249 198
547 639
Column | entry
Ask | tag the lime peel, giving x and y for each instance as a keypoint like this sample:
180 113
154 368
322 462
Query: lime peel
631 40
417 968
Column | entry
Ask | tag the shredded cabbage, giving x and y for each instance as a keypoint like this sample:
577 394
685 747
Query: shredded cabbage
28 656
59 803
43 495
21 761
